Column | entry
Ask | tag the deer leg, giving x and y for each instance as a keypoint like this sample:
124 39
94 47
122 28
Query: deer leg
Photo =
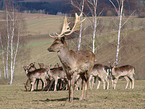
26 84
112 83
37 82
56 80
91 82
132 78
127 79
70 90
87 88
44 83
83 83
107 80
98 84
115 82
66 82
51 82
32 85
104 86
61 84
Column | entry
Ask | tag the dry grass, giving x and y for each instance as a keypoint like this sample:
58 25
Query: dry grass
35 50
15 97
38 24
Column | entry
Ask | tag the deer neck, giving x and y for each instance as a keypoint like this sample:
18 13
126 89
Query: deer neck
64 51
65 56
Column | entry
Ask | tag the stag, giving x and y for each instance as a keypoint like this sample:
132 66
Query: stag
74 62
101 72
126 71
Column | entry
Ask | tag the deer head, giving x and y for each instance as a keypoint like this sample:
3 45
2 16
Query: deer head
60 38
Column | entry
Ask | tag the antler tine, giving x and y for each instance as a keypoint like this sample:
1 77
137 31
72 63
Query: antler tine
52 36
77 24
65 29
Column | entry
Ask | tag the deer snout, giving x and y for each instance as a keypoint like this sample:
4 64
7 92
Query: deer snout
50 50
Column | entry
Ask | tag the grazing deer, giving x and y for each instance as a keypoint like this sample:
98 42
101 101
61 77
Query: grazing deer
102 73
35 74
74 62
56 73
126 71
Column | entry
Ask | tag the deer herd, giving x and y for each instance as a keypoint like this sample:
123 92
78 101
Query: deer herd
79 69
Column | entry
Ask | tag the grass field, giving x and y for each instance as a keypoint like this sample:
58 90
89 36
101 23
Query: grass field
38 26
15 97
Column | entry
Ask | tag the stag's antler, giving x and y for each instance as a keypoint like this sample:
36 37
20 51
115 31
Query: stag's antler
66 27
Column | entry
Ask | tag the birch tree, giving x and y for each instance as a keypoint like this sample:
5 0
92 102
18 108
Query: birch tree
12 34
92 4
80 6
8 40
119 11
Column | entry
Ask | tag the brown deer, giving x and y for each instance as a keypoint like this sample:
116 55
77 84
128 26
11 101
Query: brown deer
74 62
56 73
101 72
126 71
32 75
31 67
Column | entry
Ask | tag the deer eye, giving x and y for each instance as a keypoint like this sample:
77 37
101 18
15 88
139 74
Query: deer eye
56 43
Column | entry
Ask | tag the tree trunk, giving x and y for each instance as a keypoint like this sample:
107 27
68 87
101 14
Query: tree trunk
8 44
119 31
12 49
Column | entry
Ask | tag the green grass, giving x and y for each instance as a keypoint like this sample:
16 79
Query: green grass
15 97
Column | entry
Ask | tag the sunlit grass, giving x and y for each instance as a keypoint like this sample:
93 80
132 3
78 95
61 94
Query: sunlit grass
15 97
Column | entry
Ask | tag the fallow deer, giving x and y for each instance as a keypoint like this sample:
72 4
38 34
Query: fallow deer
31 67
126 71
101 72
74 62
56 73
40 73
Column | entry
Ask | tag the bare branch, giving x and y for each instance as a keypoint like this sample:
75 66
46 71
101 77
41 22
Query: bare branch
114 6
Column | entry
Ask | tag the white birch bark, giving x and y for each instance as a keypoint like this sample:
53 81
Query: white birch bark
120 14
12 49
119 31
94 4
8 44
81 9
16 52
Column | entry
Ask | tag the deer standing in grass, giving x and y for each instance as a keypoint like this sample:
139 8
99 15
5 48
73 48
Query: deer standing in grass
32 75
74 62
126 71
100 71
31 67
56 73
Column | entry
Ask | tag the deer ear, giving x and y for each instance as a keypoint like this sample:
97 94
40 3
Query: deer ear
63 39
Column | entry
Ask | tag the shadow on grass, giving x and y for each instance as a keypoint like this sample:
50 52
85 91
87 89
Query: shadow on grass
35 90
61 99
